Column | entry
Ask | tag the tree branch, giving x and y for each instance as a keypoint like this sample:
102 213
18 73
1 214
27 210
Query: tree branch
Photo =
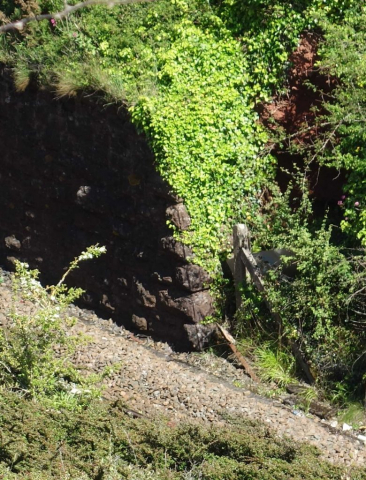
20 24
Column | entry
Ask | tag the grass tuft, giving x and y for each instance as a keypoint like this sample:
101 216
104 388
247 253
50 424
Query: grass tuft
275 365
354 414
21 76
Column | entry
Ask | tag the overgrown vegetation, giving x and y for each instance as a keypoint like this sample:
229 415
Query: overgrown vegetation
320 304
29 364
191 75
343 57
102 442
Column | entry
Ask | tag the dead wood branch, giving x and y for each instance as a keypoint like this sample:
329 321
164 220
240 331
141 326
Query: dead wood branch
243 362
241 359
21 23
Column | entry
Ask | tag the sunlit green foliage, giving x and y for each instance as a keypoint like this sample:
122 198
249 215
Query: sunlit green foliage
191 86
343 55
28 342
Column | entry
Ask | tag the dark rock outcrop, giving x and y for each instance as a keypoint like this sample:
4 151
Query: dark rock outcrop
74 173
178 215
196 306
192 277
201 336
176 248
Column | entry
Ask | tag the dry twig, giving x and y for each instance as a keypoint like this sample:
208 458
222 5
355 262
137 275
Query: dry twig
20 24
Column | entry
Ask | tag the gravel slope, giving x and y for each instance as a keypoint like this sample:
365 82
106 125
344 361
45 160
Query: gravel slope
152 378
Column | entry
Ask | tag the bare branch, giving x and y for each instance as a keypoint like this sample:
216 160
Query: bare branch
20 24
355 294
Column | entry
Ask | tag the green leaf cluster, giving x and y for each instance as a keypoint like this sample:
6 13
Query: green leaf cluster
343 56
36 329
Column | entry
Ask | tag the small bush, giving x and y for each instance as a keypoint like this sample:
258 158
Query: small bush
275 365
28 360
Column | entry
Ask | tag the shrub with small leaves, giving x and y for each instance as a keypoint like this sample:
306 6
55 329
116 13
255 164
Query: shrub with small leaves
28 360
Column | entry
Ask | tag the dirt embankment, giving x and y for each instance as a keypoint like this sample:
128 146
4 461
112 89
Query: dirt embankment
296 112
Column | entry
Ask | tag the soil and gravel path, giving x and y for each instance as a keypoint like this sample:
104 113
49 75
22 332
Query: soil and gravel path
153 378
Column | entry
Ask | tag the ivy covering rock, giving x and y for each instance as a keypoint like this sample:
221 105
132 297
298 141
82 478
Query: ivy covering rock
191 75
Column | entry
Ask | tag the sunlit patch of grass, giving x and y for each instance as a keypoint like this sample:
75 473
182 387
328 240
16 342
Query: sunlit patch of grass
275 365
21 75
353 414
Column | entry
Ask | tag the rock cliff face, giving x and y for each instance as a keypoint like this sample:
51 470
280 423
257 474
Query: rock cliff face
74 173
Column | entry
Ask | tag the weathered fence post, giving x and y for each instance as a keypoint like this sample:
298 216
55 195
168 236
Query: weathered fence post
244 261
240 238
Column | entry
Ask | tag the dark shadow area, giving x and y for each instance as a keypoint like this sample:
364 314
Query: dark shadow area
73 174
325 184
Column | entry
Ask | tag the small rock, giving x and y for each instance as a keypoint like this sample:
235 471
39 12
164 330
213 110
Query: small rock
334 424
200 336
144 297
362 438
11 261
82 193
179 216
297 413
139 322
12 243
346 427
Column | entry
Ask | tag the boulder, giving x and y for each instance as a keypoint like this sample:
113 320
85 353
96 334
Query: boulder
178 249
144 297
201 336
196 307
12 243
178 215
192 277
139 322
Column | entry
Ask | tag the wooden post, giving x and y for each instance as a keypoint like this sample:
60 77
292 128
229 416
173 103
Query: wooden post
240 238
245 261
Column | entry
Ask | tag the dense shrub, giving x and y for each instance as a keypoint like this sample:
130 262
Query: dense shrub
343 55
322 305
103 442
